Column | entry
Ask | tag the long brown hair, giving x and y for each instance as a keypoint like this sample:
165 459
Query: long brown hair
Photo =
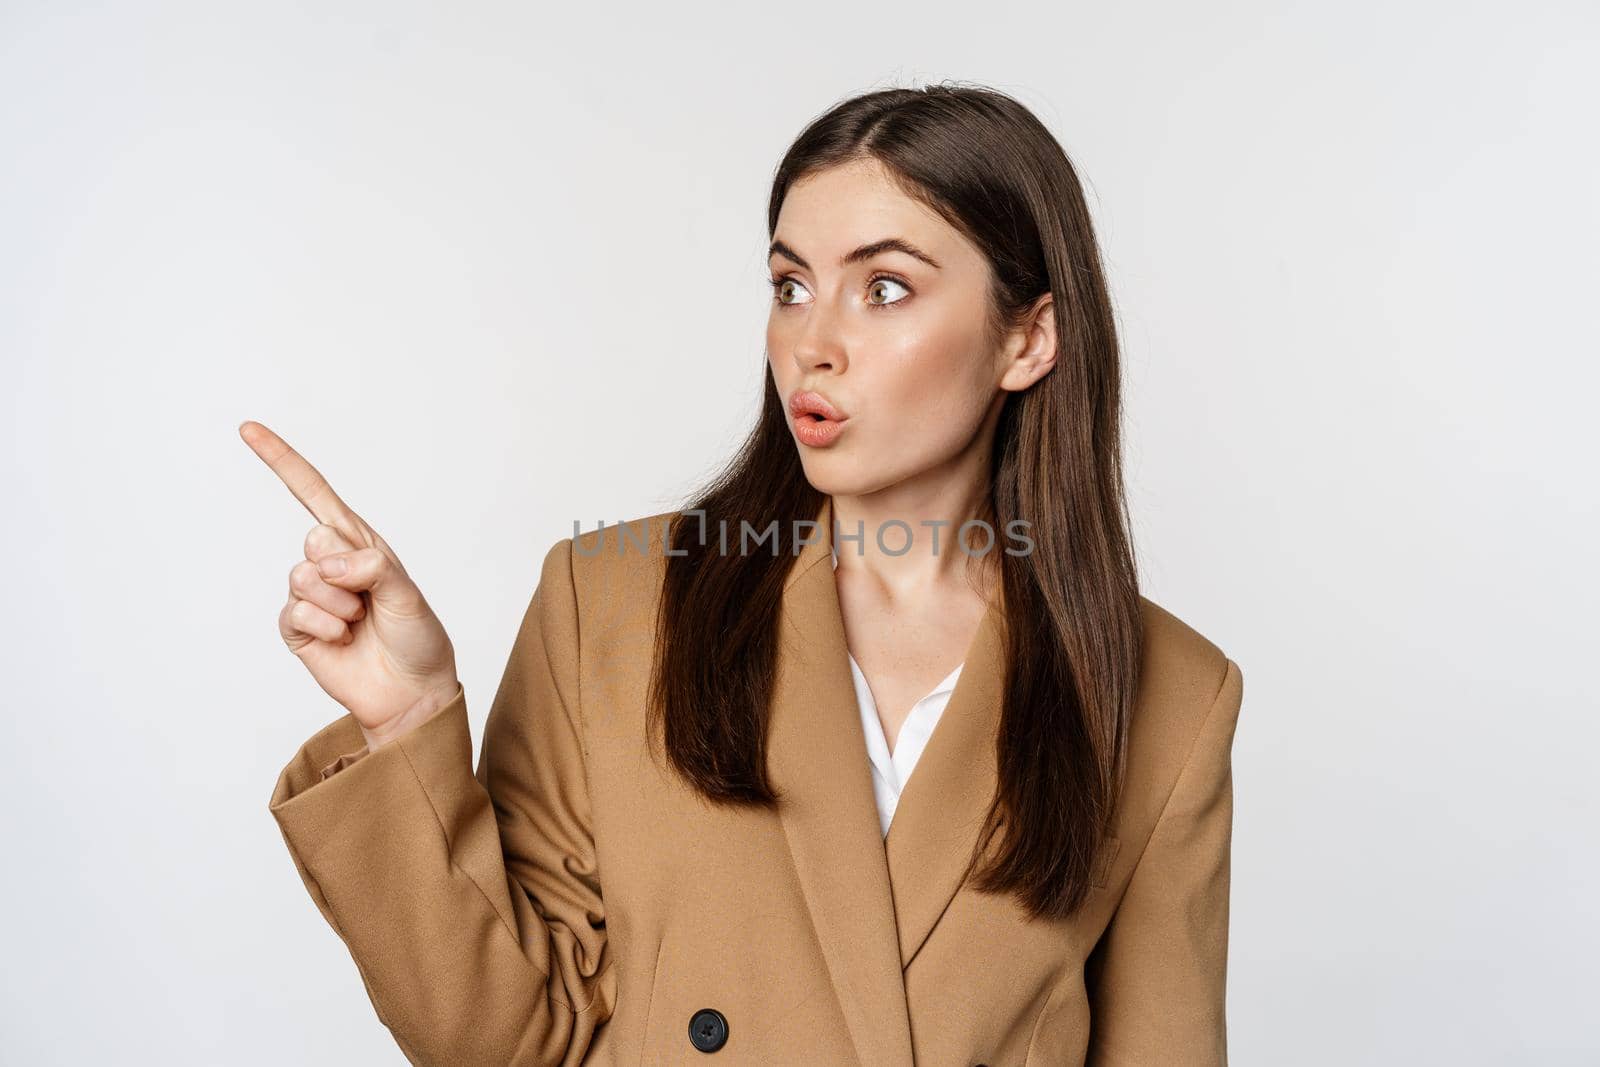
989 167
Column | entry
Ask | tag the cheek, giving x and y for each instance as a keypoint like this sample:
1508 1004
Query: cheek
923 413
778 354
935 377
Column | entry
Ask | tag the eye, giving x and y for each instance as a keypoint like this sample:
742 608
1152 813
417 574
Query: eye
876 287
779 287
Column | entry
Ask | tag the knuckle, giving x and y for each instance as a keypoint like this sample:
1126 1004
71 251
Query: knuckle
322 539
303 576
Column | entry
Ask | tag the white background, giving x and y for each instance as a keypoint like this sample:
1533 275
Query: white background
493 269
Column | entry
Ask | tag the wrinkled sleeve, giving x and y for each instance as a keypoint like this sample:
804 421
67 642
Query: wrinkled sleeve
469 901
1157 980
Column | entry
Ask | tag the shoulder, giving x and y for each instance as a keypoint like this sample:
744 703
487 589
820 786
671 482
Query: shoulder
1182 667
613 563
1186 705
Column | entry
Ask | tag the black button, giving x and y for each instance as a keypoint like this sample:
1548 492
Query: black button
708 1030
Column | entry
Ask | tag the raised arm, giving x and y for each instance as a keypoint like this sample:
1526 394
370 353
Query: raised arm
470 902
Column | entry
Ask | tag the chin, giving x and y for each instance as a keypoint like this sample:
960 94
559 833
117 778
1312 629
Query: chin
837 475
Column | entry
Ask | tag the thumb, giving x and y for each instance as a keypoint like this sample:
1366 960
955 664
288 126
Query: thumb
369 570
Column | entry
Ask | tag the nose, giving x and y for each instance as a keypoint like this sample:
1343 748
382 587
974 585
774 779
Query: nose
818 342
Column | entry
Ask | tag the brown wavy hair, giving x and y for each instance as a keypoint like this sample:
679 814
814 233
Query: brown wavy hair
988 166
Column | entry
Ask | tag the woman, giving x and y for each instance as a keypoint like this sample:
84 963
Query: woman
686 833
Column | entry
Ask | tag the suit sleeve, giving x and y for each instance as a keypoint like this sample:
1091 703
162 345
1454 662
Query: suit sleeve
469 901
1157 980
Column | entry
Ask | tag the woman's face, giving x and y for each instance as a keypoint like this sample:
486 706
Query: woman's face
894 336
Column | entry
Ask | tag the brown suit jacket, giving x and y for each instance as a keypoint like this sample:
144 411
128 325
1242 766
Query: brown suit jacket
570 901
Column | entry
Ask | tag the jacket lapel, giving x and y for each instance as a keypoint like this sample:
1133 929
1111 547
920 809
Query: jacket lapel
873 902
817 760
943 803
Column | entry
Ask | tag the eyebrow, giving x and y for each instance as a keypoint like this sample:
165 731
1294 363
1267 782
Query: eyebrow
866 251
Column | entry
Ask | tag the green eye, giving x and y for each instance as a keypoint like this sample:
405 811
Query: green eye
875 286
778 285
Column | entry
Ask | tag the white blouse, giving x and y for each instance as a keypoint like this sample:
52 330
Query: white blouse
890 772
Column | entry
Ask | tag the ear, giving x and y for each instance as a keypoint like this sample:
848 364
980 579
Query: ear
1029 351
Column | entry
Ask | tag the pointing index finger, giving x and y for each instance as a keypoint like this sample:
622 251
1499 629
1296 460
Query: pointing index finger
304 481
